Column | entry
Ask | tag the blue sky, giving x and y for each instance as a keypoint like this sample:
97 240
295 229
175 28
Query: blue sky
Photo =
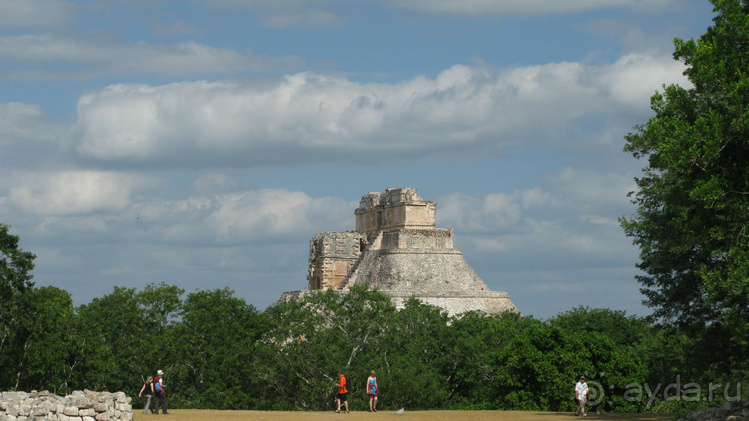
204 143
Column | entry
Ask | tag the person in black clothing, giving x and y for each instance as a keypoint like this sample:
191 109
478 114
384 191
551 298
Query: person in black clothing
148 389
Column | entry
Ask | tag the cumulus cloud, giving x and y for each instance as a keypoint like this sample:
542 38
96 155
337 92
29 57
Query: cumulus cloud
310 116
45 14
283 14
530 7
27 136
243 217
84 203
217 182
533 238
102 227
635 77
20 122
70 192
173 28
322 12
96 57
571 218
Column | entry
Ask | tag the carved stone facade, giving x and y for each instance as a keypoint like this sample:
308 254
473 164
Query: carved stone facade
332 255
394 209
397 249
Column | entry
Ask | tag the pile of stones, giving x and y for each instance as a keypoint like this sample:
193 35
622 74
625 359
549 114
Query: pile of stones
731 411
83 405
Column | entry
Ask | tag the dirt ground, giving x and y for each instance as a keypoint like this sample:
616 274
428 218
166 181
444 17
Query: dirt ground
208 415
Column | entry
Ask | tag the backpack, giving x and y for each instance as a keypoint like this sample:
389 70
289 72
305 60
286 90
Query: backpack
157 386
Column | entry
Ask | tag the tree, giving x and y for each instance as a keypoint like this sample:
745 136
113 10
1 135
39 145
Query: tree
313 337
413 364
126 335
15 265
15 281
109 331
295 359
45 338
160 307
611 349
691 222
215 352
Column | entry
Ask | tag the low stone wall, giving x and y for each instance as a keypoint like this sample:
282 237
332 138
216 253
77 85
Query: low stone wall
83 405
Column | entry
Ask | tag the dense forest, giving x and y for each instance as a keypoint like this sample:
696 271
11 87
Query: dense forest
219 352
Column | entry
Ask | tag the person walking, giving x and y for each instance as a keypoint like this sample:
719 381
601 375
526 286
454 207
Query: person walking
582 394
373 391
342 392
148 388
160 389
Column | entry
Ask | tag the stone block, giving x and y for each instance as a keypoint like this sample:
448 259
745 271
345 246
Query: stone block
87 412
13 409
39 411
101 406
71 411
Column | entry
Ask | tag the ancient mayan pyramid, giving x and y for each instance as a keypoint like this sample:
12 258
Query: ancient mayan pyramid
397 249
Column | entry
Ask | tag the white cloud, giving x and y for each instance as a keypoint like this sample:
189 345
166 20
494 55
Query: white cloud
174 28
85 203
35 13
70 192
216 182
476 214
570 219
530 7
104 57
287 13
635 77
198 123
554 228
244 217
20 122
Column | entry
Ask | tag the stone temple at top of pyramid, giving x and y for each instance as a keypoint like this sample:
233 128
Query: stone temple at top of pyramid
397 249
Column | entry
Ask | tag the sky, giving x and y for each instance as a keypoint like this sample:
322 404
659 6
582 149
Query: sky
204 143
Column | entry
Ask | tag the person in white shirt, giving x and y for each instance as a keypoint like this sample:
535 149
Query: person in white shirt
582 394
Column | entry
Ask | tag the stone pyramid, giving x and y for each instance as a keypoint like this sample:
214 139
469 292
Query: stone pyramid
397 249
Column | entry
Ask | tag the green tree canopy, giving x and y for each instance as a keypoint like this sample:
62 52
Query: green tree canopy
212 363
692 199
15 265
45 357
15 281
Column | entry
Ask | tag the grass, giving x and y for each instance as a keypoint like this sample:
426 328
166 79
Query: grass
210 415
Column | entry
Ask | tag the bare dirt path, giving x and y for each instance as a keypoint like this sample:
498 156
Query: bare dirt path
208 415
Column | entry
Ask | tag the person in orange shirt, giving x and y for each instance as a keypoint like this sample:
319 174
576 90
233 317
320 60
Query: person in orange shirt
342 392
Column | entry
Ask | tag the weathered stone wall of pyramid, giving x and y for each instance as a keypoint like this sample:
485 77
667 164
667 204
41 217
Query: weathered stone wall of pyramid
426 270
436 274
